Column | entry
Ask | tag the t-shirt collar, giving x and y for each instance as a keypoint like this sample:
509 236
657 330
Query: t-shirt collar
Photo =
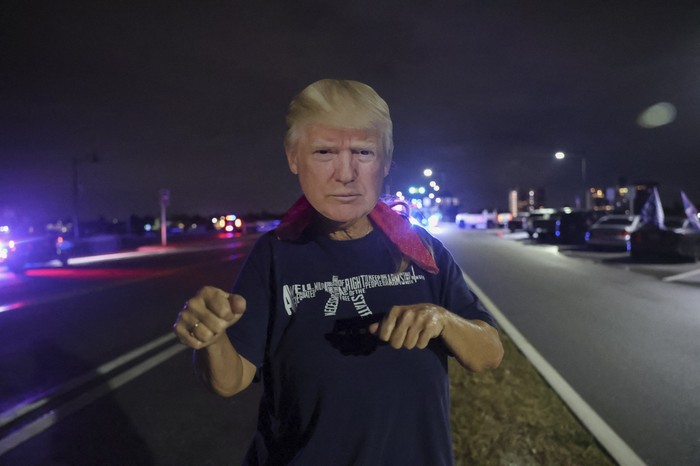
394 225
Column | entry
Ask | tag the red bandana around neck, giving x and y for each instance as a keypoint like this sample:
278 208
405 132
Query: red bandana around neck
391 223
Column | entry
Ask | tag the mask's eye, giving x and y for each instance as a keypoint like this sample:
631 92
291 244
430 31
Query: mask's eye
365 155
323 154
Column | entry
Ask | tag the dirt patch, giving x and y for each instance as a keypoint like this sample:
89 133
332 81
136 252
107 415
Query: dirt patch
511 416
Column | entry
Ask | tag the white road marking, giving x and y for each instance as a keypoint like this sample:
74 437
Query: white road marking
44 422
39 425
19 410
616 447
681 276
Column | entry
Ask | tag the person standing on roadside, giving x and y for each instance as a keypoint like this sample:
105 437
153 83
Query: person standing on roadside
345 312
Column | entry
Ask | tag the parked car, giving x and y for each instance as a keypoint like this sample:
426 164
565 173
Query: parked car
19 251
485 219
677 241
228 223
612 232
541 223
518 222
503 218
571 227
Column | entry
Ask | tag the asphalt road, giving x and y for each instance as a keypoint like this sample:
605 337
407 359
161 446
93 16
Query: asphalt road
625 340
93 376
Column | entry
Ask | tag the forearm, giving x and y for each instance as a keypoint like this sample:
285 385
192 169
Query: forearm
222 369
475 344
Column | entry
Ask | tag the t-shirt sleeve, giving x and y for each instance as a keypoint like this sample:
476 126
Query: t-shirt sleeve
455 294
249 334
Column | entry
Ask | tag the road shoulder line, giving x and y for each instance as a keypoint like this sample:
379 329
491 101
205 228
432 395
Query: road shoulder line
82 400
616 447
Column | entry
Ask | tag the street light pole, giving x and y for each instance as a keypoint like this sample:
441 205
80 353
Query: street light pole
561 156
75 161
76 228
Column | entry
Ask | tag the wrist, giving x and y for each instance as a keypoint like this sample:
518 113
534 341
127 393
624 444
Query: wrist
445 321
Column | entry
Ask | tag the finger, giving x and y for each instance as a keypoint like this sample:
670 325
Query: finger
216 301
202 324
423 339
198 324
432 328
405 321
412 336
398 337
182 331
237 304
202 332
192 341
185 320
373 328
387 325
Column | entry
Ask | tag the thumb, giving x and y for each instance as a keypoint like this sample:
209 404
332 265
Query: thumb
237 303
373 328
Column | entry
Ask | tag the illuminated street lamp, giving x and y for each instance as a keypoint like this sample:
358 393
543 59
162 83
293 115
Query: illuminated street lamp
428 172
561 156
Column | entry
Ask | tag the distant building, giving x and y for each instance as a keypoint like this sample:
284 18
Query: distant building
513 207
525 200
598 199
622 198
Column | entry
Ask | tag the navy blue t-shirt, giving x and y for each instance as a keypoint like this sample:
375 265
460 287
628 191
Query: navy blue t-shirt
332 392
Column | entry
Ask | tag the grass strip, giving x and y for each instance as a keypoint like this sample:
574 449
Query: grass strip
511 416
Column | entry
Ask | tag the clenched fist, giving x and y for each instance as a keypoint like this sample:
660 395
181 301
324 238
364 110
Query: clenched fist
411 326
206 316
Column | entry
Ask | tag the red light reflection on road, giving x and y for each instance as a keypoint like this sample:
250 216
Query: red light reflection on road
12 306
96 273
9 278
226 235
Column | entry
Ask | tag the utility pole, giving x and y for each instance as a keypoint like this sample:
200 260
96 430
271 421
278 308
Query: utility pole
164 203
585 201
75 161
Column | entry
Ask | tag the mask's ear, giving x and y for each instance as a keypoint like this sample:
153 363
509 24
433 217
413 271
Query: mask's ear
387 168
292 160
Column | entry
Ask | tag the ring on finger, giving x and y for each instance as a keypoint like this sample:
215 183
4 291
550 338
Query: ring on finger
194 327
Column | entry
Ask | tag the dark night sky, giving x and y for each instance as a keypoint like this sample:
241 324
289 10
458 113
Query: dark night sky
191 95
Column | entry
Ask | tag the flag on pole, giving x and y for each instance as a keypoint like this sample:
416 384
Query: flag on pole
691 212
653 212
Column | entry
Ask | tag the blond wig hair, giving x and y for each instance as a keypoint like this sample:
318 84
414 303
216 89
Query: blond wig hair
340 103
